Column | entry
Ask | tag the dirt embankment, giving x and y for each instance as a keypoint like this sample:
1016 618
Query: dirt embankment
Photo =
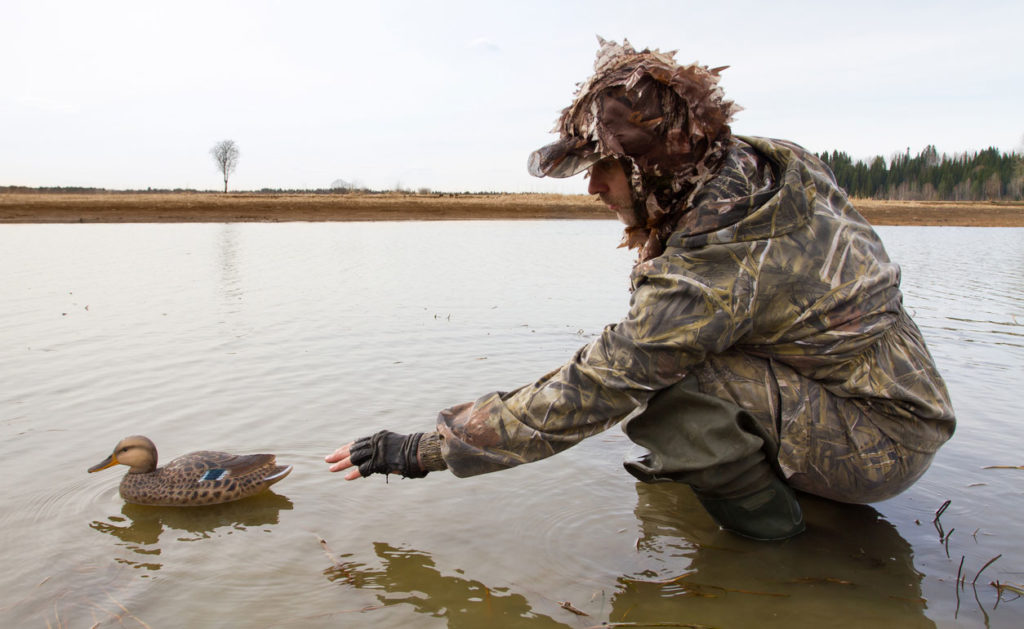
189 207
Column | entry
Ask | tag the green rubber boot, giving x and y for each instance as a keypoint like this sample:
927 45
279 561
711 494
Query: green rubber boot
768 514
722 453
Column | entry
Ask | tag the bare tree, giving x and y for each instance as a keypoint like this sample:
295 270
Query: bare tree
225 153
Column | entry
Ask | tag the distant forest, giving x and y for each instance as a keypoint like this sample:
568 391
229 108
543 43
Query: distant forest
988 175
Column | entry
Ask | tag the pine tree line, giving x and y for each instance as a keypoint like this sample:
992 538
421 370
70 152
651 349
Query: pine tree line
988 175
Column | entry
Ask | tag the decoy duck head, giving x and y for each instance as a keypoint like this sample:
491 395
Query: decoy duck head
137 452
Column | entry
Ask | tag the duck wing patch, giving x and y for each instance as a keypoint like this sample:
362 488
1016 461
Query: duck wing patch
215 473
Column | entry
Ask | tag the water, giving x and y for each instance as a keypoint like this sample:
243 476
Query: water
295 338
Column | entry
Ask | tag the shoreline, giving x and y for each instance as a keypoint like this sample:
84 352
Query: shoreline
215 207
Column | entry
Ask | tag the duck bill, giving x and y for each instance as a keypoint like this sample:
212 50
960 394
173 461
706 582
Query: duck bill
110 461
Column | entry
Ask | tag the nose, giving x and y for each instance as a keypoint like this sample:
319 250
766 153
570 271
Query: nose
598 184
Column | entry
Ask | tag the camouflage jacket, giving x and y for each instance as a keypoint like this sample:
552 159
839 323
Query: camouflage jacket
771 260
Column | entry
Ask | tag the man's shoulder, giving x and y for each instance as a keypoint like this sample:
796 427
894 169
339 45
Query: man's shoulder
785 152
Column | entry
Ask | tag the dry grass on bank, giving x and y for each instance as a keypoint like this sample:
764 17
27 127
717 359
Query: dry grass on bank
218 207
144 207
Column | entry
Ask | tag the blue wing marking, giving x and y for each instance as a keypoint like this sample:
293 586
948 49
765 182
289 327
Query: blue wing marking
214 474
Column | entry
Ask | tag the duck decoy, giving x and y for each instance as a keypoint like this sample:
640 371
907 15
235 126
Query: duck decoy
198 478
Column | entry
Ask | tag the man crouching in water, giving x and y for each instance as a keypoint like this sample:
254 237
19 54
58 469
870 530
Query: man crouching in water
766 347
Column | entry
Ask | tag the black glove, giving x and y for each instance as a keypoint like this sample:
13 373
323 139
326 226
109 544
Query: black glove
388 453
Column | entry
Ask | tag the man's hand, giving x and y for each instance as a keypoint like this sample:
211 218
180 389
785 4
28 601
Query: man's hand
342 461
383 453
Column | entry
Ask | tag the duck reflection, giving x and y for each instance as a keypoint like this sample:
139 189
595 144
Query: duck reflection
850 568
410 577
140 527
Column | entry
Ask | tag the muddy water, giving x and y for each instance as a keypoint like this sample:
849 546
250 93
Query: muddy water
294 338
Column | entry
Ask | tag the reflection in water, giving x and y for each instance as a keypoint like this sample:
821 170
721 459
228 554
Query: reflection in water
230 278
162 339
230 274
139 527
849 561
410 577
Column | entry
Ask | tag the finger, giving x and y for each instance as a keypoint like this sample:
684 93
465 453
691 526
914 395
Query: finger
343 464
354 474
339 454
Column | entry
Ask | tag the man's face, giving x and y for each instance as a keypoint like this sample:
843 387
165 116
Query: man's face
608 180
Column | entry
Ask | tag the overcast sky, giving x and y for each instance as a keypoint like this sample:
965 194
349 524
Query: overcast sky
454 96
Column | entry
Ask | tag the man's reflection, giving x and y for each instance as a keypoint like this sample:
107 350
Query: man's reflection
850 567
410 577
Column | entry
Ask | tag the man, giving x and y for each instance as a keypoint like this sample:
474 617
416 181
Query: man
766 348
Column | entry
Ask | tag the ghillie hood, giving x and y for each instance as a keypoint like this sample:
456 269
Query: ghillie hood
668 124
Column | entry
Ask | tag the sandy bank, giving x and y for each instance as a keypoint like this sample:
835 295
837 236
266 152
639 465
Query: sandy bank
189 207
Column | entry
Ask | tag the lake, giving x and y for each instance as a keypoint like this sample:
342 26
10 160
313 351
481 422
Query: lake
295 338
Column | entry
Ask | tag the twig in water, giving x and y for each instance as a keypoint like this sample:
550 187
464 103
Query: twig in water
1003 467
125 609
572 608
938 514
56 615
814 580
978 601
948 535
957 586
1007 587
989 563
327 551
739 591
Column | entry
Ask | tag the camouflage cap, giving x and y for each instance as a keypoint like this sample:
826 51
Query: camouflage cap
563 158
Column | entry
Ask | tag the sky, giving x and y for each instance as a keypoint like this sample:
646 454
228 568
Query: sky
453 96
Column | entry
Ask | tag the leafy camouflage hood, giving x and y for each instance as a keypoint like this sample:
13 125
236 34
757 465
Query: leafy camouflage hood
667 124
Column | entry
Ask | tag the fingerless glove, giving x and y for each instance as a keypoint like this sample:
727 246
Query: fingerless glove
385 452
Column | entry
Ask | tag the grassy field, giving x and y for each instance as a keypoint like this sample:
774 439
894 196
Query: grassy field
144 207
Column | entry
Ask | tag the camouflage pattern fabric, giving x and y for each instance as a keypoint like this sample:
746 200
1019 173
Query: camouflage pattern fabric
668 124
776 295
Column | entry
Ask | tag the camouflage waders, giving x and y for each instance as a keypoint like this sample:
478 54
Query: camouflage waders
722 453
